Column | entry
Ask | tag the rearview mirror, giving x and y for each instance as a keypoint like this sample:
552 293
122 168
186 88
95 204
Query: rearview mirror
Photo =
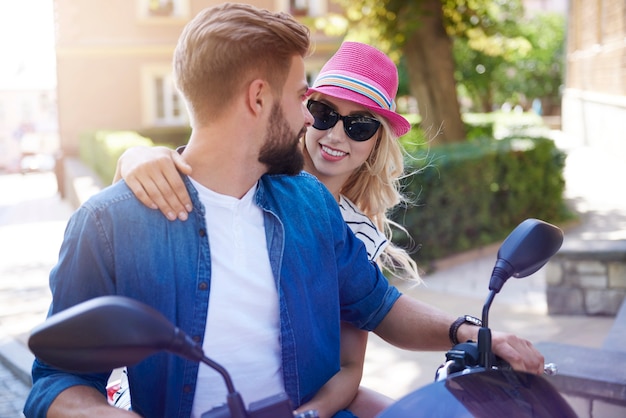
88 338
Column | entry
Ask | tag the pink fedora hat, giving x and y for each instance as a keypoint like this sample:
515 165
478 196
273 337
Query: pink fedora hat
364 75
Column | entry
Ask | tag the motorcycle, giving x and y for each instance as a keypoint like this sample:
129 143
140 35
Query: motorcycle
472 382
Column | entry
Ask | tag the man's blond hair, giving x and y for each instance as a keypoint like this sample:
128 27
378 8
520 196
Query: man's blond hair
227 46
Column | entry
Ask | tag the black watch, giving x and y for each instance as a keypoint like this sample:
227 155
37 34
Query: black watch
465 319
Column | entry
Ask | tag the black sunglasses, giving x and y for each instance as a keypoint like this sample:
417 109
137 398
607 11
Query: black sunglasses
358 128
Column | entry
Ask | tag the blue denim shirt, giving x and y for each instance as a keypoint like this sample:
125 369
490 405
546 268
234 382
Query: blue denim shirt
115 245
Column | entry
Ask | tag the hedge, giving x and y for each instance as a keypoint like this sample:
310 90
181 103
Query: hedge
474 193
100 150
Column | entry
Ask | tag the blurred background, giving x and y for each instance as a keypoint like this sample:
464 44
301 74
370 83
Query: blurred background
518 110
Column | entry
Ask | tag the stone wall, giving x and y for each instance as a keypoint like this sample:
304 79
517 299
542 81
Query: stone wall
587 278
593 379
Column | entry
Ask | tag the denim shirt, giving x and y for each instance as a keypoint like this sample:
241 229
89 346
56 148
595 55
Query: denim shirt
115 245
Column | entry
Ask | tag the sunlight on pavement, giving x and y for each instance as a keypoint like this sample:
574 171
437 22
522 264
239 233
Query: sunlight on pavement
395 372
32 222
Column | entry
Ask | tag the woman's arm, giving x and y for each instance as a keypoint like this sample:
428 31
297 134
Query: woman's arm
341 389
369 403
152 173
83 401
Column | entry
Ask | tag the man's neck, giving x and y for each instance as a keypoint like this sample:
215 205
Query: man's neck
223 162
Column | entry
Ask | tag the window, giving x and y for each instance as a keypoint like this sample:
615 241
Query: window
163 9
162 104
303 7
299 7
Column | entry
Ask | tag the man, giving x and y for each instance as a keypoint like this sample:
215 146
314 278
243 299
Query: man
264 272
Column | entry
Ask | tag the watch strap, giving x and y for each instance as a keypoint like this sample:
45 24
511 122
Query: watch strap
454 328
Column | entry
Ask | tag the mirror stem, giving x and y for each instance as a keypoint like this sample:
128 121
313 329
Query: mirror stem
235 402
484 347
235 405
486 307
222 371
484 333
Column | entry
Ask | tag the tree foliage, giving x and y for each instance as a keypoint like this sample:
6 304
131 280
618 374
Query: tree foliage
523 60
540 73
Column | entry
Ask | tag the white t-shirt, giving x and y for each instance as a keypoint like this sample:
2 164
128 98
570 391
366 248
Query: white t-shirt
243 326
241 272
363 228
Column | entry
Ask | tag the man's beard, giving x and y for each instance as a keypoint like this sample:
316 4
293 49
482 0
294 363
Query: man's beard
281 152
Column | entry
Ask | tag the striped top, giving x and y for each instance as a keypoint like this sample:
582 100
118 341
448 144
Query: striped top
364 229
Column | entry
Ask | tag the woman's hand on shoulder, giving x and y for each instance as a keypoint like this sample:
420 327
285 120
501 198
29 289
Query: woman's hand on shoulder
152 174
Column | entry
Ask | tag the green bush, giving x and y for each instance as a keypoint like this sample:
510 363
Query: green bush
100 150
169 136
479 130
474 193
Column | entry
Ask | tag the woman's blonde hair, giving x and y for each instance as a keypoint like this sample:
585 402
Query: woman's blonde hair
374 188
225 47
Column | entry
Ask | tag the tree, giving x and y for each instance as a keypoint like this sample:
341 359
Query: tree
415 30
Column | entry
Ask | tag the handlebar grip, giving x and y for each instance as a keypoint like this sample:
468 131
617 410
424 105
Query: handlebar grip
549 369
502 364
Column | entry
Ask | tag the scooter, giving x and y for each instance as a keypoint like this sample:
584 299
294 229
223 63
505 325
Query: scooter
472 382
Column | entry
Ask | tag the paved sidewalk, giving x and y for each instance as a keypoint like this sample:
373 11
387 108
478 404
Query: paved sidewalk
33 218
32 221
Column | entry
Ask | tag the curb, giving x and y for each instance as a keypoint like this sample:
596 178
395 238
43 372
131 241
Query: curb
15 357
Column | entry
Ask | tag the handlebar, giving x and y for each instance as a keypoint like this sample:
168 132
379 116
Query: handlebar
465 358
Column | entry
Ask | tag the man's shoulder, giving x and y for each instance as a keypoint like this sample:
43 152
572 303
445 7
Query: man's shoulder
116 208
298 190
117 196
302 180
303 185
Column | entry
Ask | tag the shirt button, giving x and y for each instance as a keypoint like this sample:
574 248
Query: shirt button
202 233
203 286
196 338
187 388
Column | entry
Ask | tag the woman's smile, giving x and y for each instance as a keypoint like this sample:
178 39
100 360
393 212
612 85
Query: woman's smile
332 154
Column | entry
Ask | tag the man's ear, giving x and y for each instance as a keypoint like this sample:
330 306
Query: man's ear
259 96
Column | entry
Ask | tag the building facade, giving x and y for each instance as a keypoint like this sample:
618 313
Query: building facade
594 99
28 113
114 61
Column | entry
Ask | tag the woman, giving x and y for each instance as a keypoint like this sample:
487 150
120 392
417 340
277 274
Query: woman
353 149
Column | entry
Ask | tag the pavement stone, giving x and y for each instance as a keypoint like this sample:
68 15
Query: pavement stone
12 394
33 218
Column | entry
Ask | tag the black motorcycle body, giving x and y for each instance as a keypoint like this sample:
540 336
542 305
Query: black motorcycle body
485 393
